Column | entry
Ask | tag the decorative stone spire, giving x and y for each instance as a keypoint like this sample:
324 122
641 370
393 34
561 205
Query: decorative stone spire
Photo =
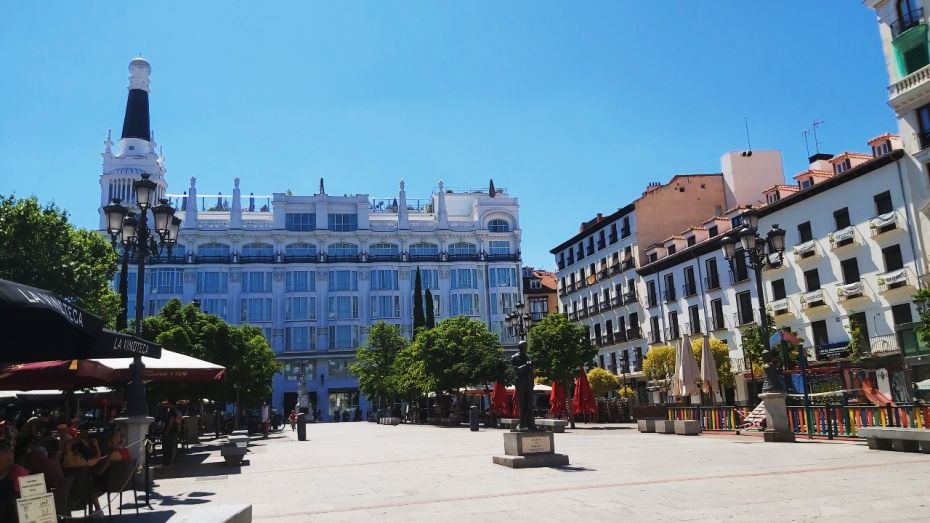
136 120
108 143
235 210
322 190
403 220
190 211
442 216
491 191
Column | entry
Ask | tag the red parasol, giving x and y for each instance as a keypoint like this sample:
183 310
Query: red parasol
583 402
514 405
557 399
499 403
57 374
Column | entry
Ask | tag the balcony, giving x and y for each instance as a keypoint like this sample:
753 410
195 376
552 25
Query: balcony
610 338
813 299
712 282
774 262
805 251
375 258
256 259
343 258
614 268
842 238
463 257
503 257
910 20
669 295
603 274
628 264
850 291
905 90
633 334
170 260
892 280
651 300
717 323
301 259
884 345
778 307
616 301
884 223
655 337
582 313
593 309
739 276
619 336
572 316
211 259
688 289
423 257
629 297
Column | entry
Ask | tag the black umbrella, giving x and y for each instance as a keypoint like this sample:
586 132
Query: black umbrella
38 325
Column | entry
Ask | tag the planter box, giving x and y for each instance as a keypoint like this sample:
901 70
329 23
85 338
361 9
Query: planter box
665 426
687 427
646 425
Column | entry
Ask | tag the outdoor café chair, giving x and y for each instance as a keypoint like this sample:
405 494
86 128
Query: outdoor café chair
120 478
81 495
61 493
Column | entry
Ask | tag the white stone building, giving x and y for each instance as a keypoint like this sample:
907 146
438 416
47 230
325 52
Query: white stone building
315 271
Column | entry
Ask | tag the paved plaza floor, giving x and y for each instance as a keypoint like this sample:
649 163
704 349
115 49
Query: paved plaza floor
374 473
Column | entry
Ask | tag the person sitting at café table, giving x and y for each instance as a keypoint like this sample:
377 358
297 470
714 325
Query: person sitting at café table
83 451
38 461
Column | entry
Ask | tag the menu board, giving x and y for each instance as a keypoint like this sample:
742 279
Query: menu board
38 509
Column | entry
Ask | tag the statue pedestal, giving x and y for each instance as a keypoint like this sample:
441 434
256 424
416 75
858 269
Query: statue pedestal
530 449
777 426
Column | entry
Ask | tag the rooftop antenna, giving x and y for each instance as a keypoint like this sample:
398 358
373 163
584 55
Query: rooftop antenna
807 145
746 124
817 143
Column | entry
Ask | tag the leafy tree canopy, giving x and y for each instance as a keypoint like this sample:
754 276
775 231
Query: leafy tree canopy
41 248
602 381
558 347
721 353
659 365
374 364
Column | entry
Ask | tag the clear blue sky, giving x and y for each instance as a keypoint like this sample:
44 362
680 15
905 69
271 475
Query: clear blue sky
573 106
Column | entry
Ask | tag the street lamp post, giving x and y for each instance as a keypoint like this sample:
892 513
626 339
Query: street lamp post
756 252
135 237
519 322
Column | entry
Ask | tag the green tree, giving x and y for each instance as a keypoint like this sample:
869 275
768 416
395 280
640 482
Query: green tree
430 310
419 319
603 381
751 340
856 338
458 352
243 350
922 300
373 364
659 365
721 353
558 348
41 248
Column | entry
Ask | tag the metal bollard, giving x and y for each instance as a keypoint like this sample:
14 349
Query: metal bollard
301 427
473 418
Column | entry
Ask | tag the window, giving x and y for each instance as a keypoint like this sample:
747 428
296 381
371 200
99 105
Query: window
216 306
692 240
463 249
300 250
778 289
343 307
255 281
901 314
342 250
713 278
156 305
342 337
841 167
342 222
498 226
812 280
669 287
535 284
673 329
713 231
625 228
740 270
343 280
841 217
923 126
213 250
300 338
382 280
744 308
656 335
671 249
612 236
804 232
464 278
496 247
257 250
892 256
506 277
424 249
694 317
383 249
850 269
466 304
255 310
299 281
690 285
301 308
212 282
300 221
653 256
881 149
166 281
716 309
651 293
819 330
429 279
910 51
539 307
883 203
385 307
806 182
503 303
634 325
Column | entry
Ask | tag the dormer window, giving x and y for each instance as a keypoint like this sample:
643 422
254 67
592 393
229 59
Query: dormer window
713 231
806 182
773 197
692 240
653 256
841 167
881 149
671 249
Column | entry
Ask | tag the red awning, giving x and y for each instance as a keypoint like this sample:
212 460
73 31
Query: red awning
58 374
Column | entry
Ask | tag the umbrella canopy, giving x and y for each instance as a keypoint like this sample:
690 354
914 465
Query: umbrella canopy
499 404
515 405
709 378
172 367
58 374
686 370
557 399
39 326
584 401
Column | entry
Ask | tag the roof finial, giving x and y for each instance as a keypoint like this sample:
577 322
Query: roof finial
491 191
322 190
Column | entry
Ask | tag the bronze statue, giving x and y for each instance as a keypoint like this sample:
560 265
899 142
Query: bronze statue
523 368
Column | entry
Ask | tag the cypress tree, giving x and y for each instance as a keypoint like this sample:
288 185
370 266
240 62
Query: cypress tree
419 320
430 311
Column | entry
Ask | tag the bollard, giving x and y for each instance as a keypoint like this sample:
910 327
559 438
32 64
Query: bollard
473 418
301 427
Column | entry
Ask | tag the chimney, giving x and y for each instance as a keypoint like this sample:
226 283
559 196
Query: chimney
821 162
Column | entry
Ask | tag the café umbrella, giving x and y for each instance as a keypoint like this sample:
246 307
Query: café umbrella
583 401
557 399
686 371
57 374
499 405
172 367
710 381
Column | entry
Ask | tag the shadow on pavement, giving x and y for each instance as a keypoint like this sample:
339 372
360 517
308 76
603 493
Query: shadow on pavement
573 468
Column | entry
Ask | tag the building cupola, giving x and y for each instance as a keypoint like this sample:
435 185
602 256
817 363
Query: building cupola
137 132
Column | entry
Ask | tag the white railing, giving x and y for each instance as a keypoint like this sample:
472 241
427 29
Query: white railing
878 224
812 299
804 250
886 344
778 307
842 237
894 279
909 82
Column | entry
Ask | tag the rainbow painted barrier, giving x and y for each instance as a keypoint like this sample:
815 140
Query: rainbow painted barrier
822 420
722 418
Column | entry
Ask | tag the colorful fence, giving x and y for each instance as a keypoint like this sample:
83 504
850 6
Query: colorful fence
821 420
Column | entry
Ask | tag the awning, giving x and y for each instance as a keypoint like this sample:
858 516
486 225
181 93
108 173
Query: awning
58 374
171 367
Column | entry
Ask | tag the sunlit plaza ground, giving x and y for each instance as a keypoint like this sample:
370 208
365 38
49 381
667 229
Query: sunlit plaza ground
369 472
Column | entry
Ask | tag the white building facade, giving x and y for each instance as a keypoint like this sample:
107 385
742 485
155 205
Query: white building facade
315 271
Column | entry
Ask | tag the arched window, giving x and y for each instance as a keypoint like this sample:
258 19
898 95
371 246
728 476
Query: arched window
300 250
178 251
909 15
384 249
257 250
424 249
213 250
498 225
462 249
342 250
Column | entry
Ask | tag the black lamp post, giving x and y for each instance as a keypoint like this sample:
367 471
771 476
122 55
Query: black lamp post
519 322
757 251
134 237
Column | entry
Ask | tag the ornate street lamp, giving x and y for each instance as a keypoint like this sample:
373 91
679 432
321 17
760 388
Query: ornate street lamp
519 322
756 252
132 236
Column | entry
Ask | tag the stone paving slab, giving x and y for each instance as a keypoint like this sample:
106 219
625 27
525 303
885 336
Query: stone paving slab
370 472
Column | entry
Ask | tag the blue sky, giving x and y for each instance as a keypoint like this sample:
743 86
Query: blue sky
573 106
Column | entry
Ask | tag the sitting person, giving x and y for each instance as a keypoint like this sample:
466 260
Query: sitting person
37 460
84 452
